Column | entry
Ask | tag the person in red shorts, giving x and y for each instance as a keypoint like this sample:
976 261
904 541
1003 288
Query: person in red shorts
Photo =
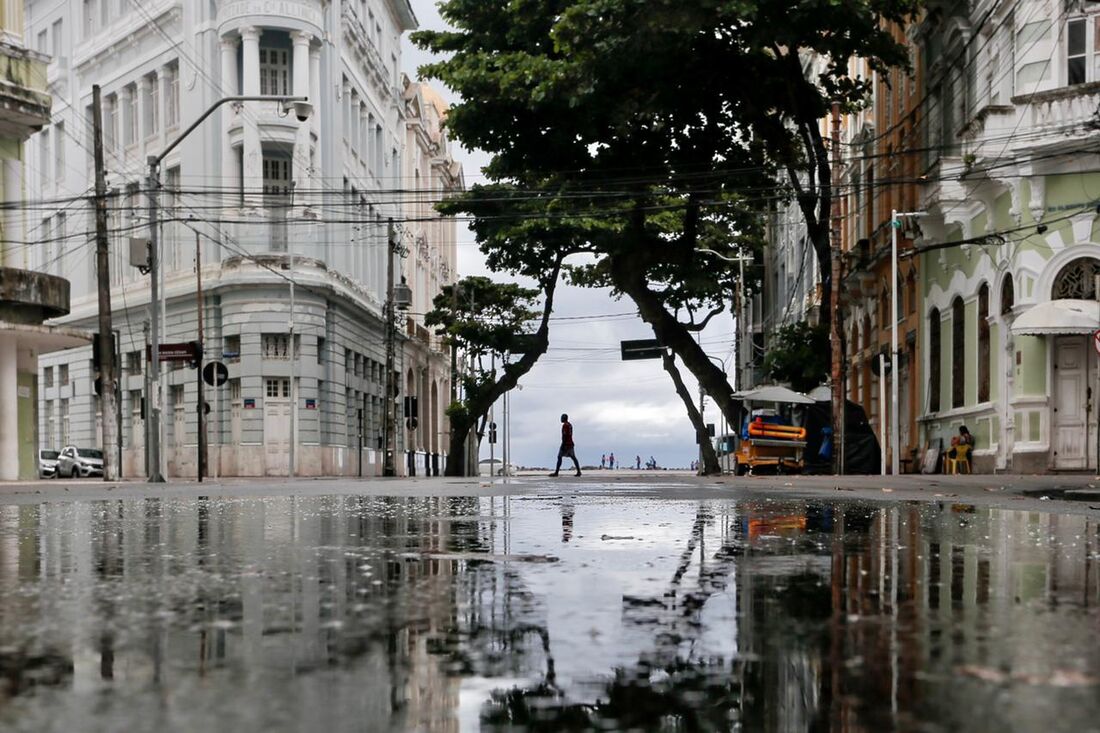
567 449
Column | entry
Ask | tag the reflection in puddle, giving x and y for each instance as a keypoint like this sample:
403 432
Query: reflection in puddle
580 613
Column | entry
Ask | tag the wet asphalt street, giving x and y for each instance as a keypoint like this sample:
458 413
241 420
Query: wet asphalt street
588 605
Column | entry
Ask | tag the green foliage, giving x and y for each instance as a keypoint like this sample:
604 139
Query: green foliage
457 412
676 113
488 321
799 356
483 316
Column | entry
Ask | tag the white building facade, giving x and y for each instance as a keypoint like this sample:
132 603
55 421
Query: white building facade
268 200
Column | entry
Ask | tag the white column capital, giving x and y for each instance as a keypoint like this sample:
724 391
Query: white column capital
250 33
300 38
229 43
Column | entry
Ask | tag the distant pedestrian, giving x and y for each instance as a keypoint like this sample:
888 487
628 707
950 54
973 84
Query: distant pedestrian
637 463
611 461
603 461
567 448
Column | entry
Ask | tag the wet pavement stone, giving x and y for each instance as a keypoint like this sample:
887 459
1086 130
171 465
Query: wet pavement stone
642 604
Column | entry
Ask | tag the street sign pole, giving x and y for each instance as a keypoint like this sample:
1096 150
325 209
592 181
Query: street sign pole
200 414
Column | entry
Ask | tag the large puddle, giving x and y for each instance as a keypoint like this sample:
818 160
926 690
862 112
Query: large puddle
545 613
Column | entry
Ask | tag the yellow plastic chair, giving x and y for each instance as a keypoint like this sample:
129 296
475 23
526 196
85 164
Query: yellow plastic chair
960 461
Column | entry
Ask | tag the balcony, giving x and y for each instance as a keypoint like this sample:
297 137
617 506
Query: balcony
32 297
24 101
1062 111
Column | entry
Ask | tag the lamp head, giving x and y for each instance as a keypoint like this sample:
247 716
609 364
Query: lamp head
301 109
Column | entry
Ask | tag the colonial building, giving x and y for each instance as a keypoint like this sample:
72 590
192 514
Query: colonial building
431 174
1011 246
288 218
879 175
28 295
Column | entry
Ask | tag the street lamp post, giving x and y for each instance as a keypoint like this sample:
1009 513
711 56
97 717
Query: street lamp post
740 260
301 109
895 443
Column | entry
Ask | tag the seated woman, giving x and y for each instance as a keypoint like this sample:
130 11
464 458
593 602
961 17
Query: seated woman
961 446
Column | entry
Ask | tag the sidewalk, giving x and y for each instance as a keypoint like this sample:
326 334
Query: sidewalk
1052 493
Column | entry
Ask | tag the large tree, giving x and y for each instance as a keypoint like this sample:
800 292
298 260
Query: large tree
647 130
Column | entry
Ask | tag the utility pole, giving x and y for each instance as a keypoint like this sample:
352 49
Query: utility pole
389 448
504 448
837 371
454 346
107 396
147 401
152 394
201 423
293 468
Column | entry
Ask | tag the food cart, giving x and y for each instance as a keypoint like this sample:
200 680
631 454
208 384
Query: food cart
767 437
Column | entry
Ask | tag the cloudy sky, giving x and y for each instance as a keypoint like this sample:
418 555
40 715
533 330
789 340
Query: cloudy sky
628 408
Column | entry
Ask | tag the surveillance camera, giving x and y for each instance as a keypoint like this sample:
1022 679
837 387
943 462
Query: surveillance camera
302 110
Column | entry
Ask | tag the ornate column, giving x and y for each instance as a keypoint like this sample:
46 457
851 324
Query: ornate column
315 86
124 113
9 415
164 80
364 137
301 73
13 231
230 87
252 169
144 88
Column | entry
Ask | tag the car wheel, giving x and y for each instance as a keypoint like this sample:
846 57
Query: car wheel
74 473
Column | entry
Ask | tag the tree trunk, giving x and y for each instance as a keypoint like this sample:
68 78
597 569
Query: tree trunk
710 465
456 450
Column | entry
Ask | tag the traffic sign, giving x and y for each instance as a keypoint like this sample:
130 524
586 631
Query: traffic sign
215 374
1096 340
641 349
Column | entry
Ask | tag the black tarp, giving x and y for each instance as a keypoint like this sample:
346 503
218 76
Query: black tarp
863 455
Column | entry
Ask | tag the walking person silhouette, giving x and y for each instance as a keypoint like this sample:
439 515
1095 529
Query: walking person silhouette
567 448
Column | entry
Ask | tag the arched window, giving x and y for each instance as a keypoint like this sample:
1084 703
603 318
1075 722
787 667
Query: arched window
983 343
934 360
1077 280
958 352
1008 296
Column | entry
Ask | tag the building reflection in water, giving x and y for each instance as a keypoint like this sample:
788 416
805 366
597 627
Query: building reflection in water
851 618
382 613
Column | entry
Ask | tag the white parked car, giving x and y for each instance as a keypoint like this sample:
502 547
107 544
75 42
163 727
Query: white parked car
80 462
47 463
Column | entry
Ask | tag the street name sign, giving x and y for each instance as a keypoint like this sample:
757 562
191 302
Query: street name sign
641 349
